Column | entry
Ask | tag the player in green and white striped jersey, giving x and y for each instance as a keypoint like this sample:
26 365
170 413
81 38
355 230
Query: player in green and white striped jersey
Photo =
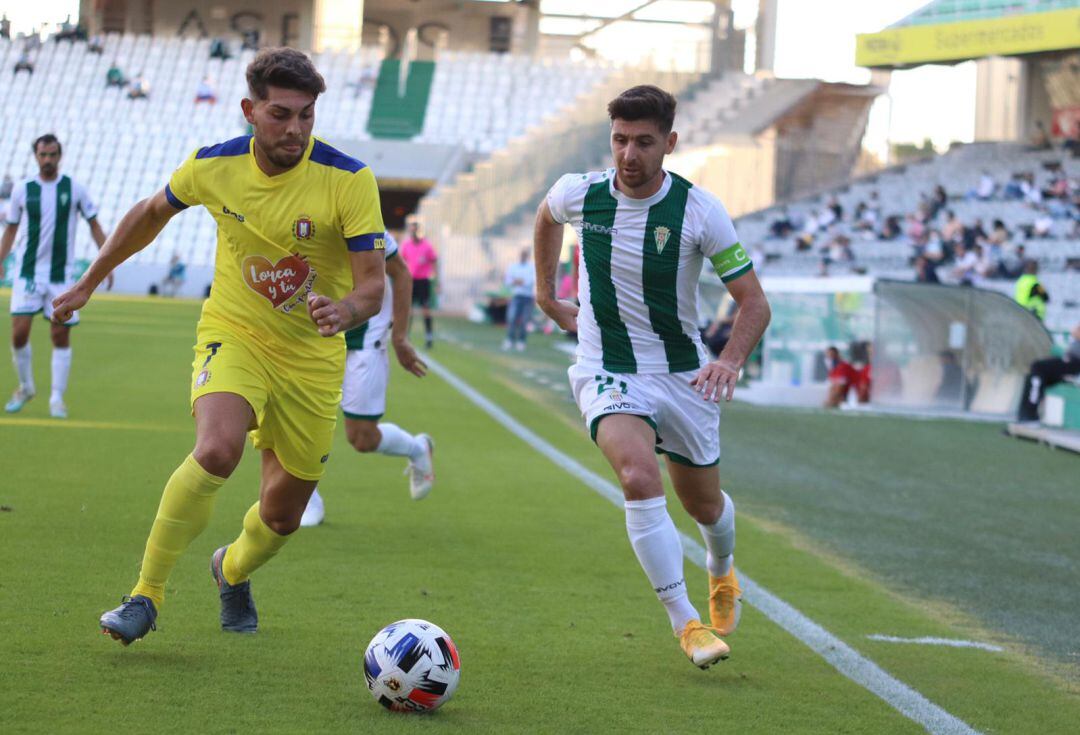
367 373
44 264
642 378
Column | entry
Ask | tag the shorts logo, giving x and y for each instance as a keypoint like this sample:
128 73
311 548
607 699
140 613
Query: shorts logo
285 284
303 228
202 379
324 458
661 235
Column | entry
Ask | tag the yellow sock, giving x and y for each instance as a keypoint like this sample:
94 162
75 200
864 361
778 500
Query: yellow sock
256 545
184 511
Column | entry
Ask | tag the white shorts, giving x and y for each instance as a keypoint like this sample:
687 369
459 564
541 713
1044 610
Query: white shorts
687 427
363 393
33 297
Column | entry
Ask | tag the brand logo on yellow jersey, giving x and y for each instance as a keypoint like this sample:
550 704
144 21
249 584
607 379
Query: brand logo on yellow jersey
239 217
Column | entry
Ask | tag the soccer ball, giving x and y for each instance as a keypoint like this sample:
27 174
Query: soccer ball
412 666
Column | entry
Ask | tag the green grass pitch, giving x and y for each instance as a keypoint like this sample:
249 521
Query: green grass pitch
527 569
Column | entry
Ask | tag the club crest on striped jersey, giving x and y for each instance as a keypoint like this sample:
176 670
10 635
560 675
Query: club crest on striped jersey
661 235
303 228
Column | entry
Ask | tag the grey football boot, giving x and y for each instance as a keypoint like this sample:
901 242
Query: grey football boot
238 614
135 617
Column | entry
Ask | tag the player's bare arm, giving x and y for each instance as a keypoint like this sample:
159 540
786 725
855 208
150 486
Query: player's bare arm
547 244
360 304
718 378
7 241
135 231
401 285
98 233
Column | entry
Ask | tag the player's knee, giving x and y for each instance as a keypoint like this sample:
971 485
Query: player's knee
364 438
19 339
705 512
639 481
218 457
281 525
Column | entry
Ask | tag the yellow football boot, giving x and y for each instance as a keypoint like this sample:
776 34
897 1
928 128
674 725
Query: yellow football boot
701 645
725 602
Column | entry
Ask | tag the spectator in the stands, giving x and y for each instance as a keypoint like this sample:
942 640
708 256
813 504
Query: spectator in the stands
1040 141
965 264
1043 226
114 77
139 88
986 188
1072 140
891 229
953 230
842 378
1012 263
782 226
205 92
938 200
833 206
1030 293
933 249
838 250
1032 193
925 271
5 27
916 227
23 63
1046 374
990 255
974 235
1013 190
96 44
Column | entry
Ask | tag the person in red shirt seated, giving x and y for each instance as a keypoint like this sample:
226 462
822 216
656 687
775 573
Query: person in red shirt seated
842 378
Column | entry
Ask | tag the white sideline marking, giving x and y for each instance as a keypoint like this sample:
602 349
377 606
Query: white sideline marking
840 655
930 641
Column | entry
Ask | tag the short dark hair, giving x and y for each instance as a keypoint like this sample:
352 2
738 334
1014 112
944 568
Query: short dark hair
286 68
644 102
48 139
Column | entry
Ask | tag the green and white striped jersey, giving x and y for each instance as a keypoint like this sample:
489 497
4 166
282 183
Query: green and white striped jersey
45 248
371 335
640 264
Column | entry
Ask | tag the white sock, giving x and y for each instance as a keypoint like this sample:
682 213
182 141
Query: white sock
61 366
24 366
720 539
659 551
397 442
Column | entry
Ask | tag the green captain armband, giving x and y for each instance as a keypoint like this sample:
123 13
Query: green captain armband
731 263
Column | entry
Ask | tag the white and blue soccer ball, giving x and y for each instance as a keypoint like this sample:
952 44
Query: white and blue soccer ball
412 666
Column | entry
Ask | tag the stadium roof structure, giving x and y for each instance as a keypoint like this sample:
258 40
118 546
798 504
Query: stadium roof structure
950 31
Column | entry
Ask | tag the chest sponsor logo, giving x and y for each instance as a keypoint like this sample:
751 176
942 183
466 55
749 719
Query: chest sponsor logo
303 228
285 284
661 235
593 227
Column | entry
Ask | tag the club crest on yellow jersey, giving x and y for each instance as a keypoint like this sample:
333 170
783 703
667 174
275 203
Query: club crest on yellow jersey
303 228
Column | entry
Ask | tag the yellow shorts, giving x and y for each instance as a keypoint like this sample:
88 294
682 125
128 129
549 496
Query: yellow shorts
295 399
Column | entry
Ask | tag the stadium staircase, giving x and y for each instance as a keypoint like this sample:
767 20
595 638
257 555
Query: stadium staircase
395 115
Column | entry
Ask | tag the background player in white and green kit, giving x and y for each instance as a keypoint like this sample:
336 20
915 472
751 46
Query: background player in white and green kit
642 378
49 204
363 391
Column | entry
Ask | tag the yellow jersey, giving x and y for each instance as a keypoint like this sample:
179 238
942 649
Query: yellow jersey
280 238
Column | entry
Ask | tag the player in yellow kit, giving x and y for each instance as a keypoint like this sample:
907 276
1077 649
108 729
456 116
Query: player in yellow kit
299 261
